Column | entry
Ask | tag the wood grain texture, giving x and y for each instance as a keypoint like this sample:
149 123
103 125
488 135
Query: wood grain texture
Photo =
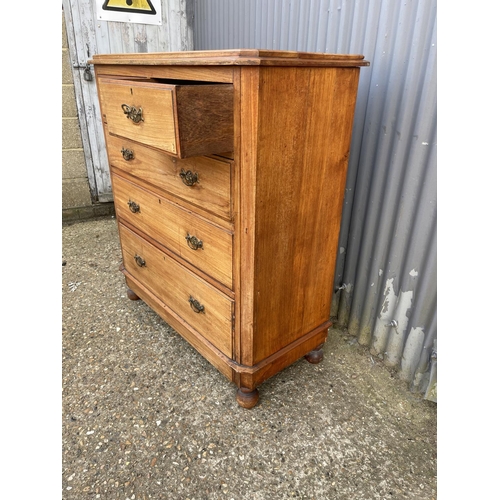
238 57
182 120
200 73
272 365
235 199
158 128
211 193
205 119
248 149
175 285
171 224
302 156
270 217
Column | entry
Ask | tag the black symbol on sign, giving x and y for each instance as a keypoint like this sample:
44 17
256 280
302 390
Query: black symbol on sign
137 6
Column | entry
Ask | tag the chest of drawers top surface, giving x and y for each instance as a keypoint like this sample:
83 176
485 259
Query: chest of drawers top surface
236 57
228 172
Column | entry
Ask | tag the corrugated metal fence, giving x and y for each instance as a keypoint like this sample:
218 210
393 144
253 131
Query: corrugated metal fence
386 264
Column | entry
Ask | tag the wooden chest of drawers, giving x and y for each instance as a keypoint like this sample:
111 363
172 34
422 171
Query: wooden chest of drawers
228 171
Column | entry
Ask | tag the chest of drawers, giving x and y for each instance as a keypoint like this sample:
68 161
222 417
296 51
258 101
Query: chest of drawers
228 171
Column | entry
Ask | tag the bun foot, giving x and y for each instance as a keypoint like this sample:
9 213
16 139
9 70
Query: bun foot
315 356
247 398
132 295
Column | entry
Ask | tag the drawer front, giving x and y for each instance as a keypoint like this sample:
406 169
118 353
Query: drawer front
142 112
202 244
201 181
183 119
202 306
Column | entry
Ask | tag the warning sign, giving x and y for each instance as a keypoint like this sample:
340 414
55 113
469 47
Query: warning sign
138 6
130 11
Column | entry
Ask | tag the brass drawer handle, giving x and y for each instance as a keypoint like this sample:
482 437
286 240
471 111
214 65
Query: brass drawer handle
127 154
139 261
193 242
189 178
133 113
134 207
196 306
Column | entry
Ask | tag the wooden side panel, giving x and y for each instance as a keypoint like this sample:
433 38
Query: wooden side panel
205 118
305 121
245 238
235 197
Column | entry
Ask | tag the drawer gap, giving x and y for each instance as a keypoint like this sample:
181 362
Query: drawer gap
171 81
193 268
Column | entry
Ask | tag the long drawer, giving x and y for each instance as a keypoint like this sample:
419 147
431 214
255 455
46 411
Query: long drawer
197 241
202 306
201 181
183 119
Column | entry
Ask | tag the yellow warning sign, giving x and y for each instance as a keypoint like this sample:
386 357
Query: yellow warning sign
130 11
137 6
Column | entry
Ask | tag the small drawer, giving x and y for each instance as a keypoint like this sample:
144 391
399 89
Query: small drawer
195 301
197 241
201 181
182 119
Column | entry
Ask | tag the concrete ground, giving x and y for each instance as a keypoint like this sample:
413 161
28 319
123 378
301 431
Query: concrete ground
144 416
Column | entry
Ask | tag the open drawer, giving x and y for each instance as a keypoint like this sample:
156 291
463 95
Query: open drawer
181 118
